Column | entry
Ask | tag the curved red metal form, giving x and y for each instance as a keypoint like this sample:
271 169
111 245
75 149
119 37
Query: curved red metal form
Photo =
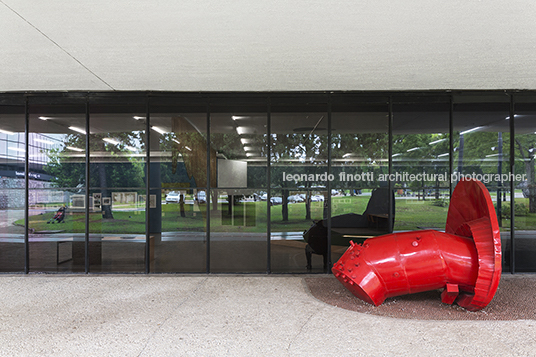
465 260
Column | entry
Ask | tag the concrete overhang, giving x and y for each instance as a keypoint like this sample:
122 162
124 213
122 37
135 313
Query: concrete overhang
267 45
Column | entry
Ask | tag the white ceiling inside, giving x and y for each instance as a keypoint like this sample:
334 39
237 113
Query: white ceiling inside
268 45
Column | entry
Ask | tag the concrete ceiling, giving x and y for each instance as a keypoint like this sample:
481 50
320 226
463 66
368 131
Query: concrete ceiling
268 45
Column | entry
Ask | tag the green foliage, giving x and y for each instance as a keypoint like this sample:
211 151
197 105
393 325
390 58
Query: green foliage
121 169
441 202
520 210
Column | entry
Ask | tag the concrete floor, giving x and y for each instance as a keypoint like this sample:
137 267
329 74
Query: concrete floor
223 315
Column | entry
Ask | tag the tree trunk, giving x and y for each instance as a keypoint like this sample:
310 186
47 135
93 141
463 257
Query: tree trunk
532 203
308 205
529 170
214 195
531 185
284 209
106 210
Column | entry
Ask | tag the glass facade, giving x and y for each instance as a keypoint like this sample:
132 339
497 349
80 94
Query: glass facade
156 182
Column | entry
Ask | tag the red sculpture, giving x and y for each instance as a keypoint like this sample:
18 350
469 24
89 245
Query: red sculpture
465 260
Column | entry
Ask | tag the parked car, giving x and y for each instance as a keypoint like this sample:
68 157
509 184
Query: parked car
201 197
276 201
172 197
295 199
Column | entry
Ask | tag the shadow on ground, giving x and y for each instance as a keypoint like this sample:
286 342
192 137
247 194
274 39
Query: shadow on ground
515 299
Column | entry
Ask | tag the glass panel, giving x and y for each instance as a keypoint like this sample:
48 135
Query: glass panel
238 224
299 178
178 184
525 189
481 151
421 164
117 184
12 193
359 158
57 191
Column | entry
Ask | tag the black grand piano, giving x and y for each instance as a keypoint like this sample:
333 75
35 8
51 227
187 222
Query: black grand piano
357 227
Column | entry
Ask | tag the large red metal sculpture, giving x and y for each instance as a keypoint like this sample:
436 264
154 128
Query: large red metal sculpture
465 260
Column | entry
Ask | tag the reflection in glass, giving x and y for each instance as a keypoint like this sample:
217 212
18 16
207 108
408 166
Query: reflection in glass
525 189
178 184
57 191
421 163
117 186
299 179
238 215
254 171
359 158
481 150
12 192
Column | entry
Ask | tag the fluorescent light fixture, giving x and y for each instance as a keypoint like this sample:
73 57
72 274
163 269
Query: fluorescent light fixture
347 154
413 149
470 130
188 148
238 117
396 155
74 149
248 148
138 118
45 118
44 141
436 141
111 141
175 140
241 130
249 154
6 132
16 149
158 130
445 154
74 128
491 155
245 141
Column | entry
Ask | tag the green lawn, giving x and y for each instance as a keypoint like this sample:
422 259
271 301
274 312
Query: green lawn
410 214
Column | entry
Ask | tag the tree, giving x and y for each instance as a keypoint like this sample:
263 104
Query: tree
359 153
112 165
297 154
525 145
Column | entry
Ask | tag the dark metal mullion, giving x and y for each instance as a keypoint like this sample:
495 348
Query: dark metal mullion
209 197
269 178
147 187
26 187
329 186
512 192
390 169
86 234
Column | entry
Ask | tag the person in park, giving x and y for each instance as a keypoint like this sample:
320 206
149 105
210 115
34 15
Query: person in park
59 216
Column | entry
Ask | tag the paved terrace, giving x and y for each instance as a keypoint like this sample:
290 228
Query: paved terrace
229 315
